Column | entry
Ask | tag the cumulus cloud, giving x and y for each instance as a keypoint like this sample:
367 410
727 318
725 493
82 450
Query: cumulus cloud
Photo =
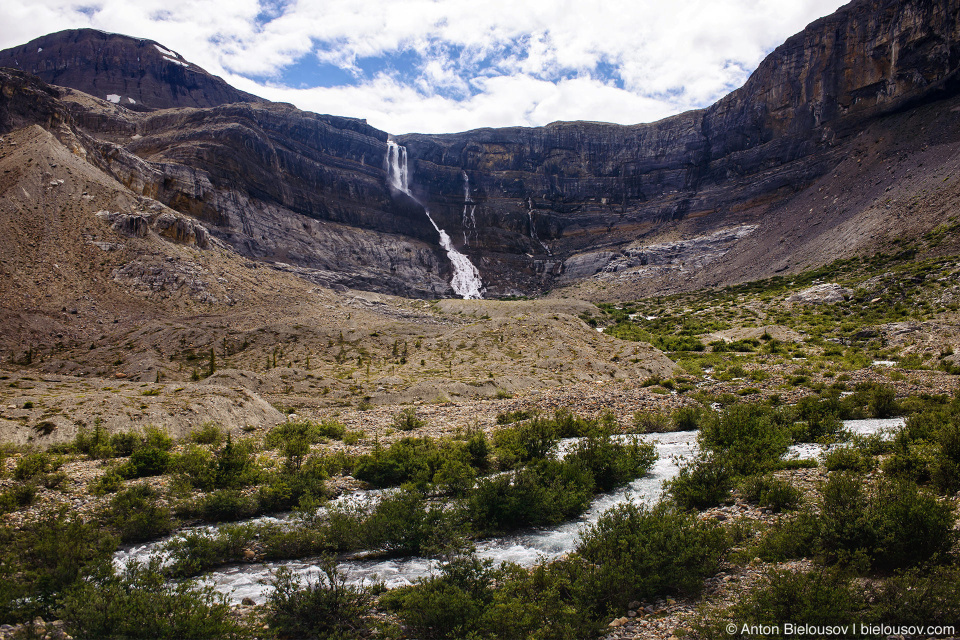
464 64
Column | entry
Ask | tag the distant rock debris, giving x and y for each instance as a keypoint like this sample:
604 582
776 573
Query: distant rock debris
830 293
175 227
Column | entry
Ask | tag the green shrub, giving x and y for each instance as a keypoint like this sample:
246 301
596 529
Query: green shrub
612 463
924 593
543 493
701 483
95 444
408 420
17 497
911 525
156 438
749 438
235 467
195 468
331 429
770 493
328 609
848 459
125 443
818 419
222 505
883 402
532 440
509 417
109 482
33 465
195 551
910 460
146 461
898 526
687 418
797 536
405 523
289 487
651 422
637 553
140 602
406 460
450 605
822 598
352 437
42 559
137 514
207 433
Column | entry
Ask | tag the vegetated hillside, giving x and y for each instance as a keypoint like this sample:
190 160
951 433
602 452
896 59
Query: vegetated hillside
553 206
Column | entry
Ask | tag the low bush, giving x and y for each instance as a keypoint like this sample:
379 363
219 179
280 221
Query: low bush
701 483
509 417
40 560
651 422
848 459
770 493
687 418
612 463
146 461
408 420
137 514
207 433
140 602
404 523
406 460
893 524
637 553
195 551
17 497
222 505
543 493
328 609
33 465
819 597
750 438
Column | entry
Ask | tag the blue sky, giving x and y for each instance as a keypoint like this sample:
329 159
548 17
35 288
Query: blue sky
438 66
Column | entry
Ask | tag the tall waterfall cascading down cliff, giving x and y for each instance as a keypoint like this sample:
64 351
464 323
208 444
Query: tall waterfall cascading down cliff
466 281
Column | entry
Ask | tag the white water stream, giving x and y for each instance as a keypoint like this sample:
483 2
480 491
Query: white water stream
525 548
466 281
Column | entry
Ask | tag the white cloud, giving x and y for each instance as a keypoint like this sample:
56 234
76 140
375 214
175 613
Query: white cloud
490 63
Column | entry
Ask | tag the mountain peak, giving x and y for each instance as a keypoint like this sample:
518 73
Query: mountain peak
137 73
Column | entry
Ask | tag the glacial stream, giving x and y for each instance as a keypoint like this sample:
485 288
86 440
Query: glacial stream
245 580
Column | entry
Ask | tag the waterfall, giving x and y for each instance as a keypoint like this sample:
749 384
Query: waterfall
466 279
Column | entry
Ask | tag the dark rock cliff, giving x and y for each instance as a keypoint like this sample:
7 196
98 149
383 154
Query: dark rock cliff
544 205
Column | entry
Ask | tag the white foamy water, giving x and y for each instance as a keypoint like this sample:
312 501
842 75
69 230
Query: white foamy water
466 281
870 426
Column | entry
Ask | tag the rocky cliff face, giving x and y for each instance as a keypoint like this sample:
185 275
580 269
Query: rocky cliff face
566 188
532 207
135 73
